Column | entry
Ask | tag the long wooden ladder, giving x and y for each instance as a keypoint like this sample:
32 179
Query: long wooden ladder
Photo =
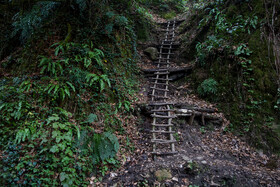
162 112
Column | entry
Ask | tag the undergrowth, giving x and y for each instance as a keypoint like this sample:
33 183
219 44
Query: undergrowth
68 85
233 53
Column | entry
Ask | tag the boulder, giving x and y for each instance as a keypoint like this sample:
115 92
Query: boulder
163 175
152 52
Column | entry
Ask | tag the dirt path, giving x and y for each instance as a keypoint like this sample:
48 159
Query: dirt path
207 155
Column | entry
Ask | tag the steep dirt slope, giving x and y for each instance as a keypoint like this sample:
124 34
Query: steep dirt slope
208 155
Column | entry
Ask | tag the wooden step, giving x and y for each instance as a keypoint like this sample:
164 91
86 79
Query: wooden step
167 48
162 73
163 141
173 32
165 117
163 132
161 104
167 41
160 69
164 153
167 53
163 125
160 89
162 79
163 110
172 44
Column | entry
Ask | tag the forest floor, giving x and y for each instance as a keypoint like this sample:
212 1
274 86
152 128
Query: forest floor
207 155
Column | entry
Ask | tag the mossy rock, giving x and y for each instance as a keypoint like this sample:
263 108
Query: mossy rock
163 175
152 53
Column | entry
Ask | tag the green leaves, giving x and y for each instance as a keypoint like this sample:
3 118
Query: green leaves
207 88
91 118
92 79
60 89
53 68
242 49
22 135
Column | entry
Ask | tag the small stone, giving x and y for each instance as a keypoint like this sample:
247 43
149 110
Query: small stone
163 175
175 179
203 162
113 175
186 158
199 158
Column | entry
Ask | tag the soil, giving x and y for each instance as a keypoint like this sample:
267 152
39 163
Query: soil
207 155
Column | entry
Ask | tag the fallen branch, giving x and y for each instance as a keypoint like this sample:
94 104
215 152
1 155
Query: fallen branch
183 106
204 115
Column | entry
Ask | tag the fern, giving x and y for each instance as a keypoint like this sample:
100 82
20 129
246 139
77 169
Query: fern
208 87
93 78
51 67
59 90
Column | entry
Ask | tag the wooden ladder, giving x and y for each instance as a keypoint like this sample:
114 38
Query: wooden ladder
162 112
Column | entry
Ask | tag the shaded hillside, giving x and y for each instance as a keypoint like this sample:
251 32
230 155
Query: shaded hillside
233 45
72 93
68 76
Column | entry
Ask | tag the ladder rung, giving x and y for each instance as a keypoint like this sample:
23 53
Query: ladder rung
170 33
167 48
167 41
159 116
162 73
165 153
163 110
163 125
165 30
170 44
161 69
163 141
162 79
163 132
164 58
160 104
160 89
167 53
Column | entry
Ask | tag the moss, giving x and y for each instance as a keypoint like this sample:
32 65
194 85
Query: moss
263 71
169 15
142 31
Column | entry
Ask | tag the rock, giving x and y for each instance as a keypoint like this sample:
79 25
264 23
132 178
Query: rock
186 158
203 162
199 157
113 175
175 179
163 175
152 53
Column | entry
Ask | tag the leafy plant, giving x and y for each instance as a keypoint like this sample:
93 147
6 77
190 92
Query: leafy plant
51 67
208 88
242 49
92 79
102 146
207 48
60 90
